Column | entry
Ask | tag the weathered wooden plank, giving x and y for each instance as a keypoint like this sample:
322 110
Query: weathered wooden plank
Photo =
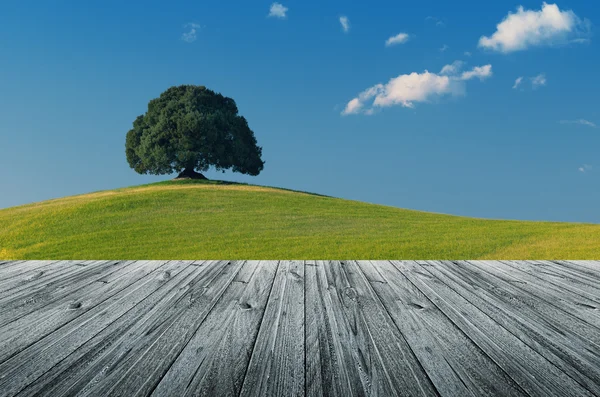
511 345
27 274
25 285
215 360
38 293
594 265
276 367
540 275
555 333
323 328
577 300
541 311
121 333
7 265
140 367
56 349
333 362
453 362
15 268
572 270
39 279
359 350
26 299
63 310
589 269
329 344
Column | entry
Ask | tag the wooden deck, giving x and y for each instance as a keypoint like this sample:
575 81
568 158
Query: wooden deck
288 328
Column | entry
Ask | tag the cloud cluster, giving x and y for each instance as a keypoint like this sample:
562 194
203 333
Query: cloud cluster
536 81
580 121
407 89
528 28
518 82
585 168
437 21
453 68
345 23
480 72
192 32
277 10
400 38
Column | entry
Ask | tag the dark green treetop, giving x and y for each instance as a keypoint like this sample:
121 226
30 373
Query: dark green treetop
191 128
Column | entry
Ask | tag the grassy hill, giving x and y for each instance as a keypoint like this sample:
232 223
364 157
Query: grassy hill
211 220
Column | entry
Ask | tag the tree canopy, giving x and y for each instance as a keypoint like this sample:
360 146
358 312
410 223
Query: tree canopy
191 128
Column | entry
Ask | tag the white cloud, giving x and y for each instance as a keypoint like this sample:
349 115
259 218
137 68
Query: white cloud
481 72
580 41
345 23
580 121
538 81
468 54
437 21
528 28
444 48
453 68
353 106
277 10
518 82
585 168
191 34
407 89
400 38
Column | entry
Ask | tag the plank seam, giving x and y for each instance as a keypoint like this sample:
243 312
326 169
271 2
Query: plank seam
260 326
114 321
97 303
151 390
380 301
510 332
456 325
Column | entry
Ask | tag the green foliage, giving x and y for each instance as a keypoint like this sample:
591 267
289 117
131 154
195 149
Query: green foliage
192 128
222 220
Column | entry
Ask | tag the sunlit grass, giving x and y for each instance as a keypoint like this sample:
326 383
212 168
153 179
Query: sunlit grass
211 220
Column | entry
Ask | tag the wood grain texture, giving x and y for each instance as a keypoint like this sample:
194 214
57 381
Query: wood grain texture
539 274
277 364
356 349
271 328
8 267
138 370
215 360
81 367
530 359
567 335
68 307
28 272
40 356
39 293
580 301
454 362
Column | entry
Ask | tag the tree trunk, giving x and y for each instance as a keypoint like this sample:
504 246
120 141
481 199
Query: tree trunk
189 173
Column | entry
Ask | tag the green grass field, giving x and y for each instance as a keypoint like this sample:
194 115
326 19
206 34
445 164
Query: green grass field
212 220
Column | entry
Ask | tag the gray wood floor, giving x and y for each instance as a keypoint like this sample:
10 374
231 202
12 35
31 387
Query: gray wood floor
289 328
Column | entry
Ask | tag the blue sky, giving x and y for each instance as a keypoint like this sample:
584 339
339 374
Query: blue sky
74 75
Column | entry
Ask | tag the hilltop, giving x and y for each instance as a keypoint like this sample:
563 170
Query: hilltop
211 219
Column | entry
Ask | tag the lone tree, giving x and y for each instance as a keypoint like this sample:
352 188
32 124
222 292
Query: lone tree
191 128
